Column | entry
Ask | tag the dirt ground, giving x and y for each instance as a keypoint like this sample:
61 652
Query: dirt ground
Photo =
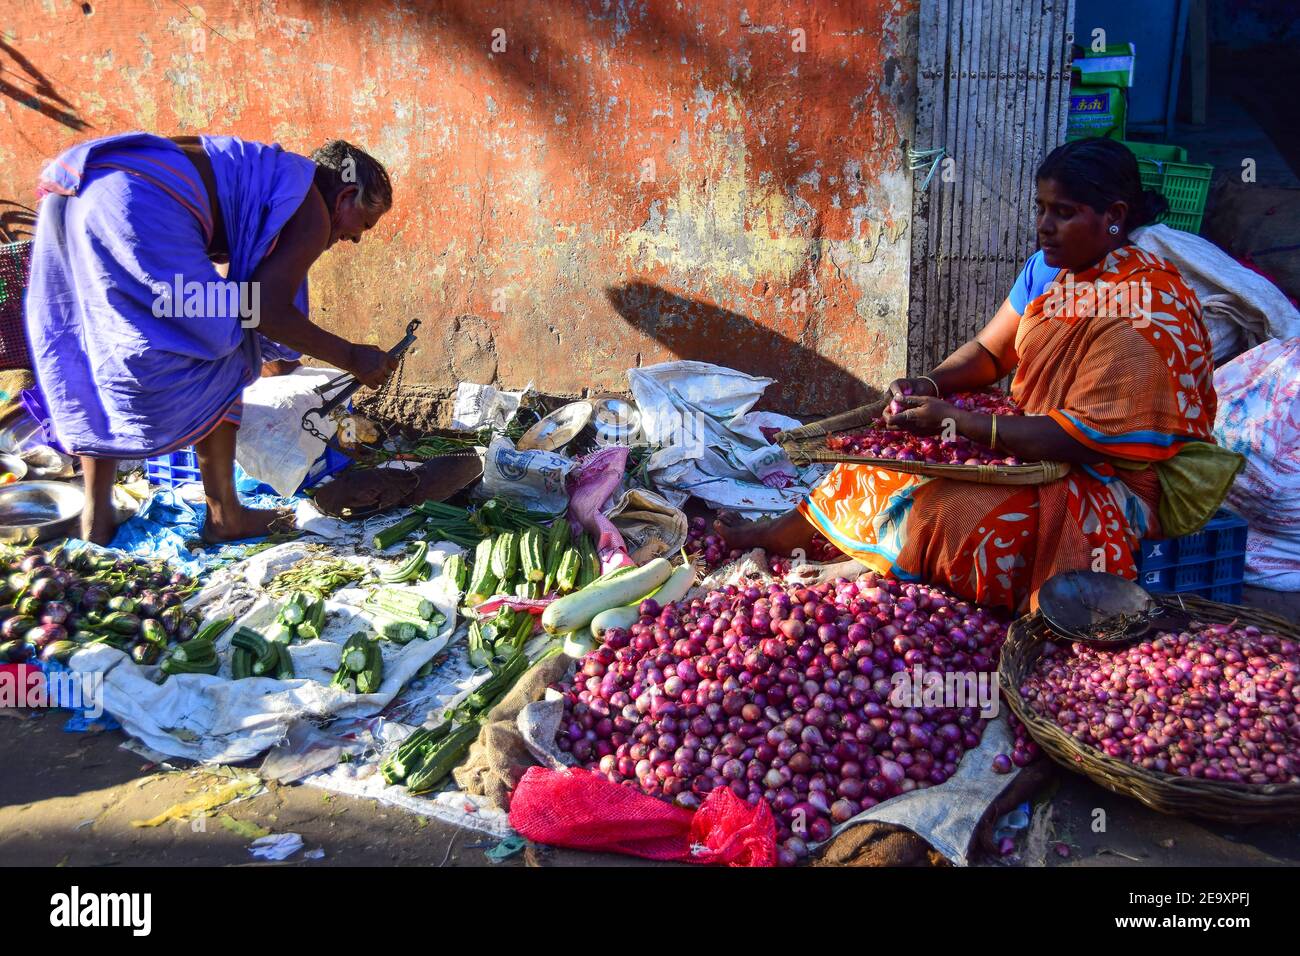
69 799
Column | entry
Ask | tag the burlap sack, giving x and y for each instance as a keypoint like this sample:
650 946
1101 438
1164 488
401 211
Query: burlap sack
885 844
499 757
650 526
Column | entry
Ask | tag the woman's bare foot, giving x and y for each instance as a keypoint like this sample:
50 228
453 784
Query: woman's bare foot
238 523
775 535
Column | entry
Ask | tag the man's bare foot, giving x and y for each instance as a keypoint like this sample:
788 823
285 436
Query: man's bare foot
238 524
98 525
775 535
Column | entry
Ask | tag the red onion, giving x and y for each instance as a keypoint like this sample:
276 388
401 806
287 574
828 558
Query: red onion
782 694
1215 702
881 441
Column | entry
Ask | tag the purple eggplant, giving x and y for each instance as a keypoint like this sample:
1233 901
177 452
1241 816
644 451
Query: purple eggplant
96 596
171 599
145 653
74 594
14 652
47 589
122 622
43 634
188 627
17 626
56 612
171 619
59 651
153 632
150 604
32 562
128 605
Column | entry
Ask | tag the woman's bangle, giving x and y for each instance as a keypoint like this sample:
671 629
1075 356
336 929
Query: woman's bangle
993 436
937 392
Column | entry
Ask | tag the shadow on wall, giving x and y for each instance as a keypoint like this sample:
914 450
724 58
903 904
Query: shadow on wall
699 331
36 93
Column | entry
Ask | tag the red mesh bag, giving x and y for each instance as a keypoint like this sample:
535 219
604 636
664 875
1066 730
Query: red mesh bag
581 810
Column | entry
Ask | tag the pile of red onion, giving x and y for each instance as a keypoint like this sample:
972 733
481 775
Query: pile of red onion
782 695
880 441
711 550
1217 702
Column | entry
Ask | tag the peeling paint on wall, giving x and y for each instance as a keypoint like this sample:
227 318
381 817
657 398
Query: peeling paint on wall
620 183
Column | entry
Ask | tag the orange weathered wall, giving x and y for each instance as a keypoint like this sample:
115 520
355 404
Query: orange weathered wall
623 183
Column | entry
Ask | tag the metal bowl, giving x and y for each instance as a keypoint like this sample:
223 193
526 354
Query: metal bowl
617 422
39 510
13 464
557 429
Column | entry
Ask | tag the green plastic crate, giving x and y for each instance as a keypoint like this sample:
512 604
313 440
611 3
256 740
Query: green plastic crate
1184 185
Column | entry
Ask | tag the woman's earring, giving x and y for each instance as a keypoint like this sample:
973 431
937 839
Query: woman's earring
1114 229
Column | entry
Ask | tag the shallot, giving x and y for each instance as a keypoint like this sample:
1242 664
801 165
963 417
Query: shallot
1215 702
881 441
784 694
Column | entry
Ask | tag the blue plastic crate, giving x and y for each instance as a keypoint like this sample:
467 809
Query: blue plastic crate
1158 553
1193 576
1157 579
1210 563
1226 593
1192 547
1230 535
174 469
182 467
1229 569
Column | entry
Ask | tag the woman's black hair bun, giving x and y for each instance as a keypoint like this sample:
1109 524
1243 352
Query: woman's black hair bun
1150 208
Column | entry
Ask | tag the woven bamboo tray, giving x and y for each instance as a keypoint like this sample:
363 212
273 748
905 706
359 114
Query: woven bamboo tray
807 444
1165 792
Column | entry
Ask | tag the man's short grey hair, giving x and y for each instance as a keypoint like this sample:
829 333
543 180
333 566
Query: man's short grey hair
339 164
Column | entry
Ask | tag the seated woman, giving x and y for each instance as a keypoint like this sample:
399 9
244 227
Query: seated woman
1116 385
139 344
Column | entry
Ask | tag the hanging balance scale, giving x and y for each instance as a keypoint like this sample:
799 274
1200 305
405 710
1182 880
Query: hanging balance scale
357 494
345 386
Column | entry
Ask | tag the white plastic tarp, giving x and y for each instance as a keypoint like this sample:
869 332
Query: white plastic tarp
711 443
213 719
1241 308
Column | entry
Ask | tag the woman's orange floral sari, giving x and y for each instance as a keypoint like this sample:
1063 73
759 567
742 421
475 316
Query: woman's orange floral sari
1134 386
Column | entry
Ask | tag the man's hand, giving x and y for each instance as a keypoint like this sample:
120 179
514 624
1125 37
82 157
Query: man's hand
922 414
370 365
